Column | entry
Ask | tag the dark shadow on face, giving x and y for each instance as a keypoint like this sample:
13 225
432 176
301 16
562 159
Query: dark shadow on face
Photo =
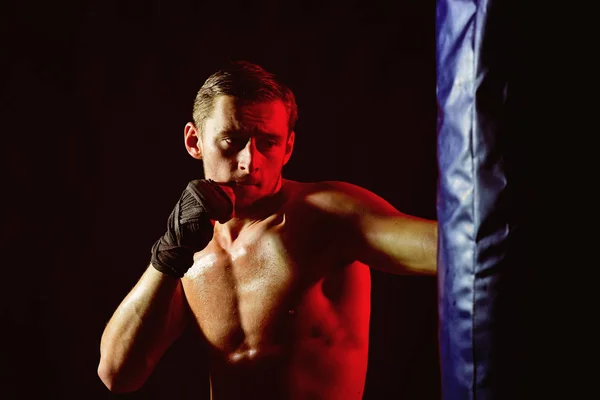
247 144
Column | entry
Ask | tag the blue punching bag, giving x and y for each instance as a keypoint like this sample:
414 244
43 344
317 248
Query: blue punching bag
479 344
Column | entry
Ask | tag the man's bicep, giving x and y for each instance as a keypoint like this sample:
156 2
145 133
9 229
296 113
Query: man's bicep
399 243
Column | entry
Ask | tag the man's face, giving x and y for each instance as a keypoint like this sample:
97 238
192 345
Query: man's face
246 143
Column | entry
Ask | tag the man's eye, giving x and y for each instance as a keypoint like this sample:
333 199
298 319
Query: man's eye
227 142
269 144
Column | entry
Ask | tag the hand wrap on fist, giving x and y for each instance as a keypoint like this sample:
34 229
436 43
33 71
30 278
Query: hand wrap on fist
189 229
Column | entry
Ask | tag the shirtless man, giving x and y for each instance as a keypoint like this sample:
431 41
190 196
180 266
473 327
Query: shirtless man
274 273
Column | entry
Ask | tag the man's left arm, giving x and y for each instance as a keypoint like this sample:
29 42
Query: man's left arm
379 235
399 244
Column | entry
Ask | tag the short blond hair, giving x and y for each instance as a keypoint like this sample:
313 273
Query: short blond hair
246 81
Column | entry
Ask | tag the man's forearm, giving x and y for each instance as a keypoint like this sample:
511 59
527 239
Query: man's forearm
141 329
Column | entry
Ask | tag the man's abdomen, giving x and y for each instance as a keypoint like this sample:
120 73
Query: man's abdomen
310 369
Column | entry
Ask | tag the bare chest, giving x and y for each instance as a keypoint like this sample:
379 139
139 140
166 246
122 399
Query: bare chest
250 294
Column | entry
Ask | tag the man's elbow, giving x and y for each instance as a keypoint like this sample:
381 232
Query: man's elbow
114 380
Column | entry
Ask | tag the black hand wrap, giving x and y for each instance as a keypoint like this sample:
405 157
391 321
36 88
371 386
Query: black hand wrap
189 229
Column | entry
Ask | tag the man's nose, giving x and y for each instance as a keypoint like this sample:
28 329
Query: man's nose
247 157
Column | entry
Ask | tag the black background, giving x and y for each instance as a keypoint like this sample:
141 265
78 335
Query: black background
95 95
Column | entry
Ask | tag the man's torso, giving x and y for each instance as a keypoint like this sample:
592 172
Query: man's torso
283 308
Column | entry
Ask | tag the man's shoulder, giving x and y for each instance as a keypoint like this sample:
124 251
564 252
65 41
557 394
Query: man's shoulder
332 196
322 188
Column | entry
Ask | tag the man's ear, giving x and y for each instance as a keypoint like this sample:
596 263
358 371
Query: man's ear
289 147
193 142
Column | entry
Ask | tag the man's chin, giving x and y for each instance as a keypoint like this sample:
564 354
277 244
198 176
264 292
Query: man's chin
247 194
251 195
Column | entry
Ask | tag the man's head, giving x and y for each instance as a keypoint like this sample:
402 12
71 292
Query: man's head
243 130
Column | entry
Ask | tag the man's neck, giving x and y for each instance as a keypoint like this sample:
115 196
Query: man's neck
258 211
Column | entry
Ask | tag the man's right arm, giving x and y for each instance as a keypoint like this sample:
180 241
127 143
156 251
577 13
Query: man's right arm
155 312
146 323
